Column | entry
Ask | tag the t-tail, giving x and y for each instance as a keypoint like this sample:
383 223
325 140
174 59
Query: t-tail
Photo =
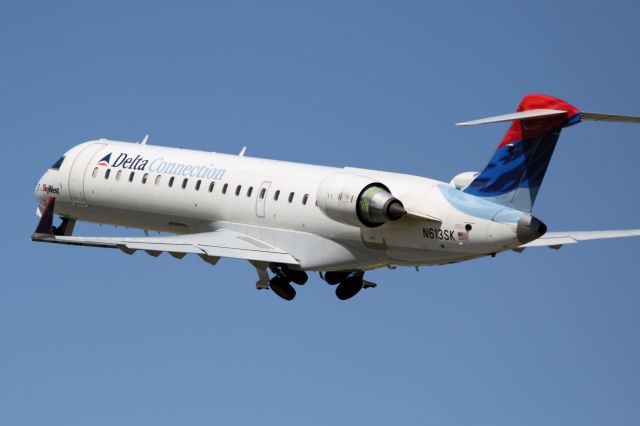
515 172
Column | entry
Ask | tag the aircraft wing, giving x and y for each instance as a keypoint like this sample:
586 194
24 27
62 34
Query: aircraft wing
222 243
209 245
557 239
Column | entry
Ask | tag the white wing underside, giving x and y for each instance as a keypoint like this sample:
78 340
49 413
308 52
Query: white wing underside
210 245
558 239
227 243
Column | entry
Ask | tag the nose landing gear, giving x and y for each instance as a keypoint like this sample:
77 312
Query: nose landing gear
65 228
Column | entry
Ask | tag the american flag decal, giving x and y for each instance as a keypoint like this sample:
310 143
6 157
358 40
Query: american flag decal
463 234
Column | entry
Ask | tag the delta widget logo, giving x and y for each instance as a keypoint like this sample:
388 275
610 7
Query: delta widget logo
105 160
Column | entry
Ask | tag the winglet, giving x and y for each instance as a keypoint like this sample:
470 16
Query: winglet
45 225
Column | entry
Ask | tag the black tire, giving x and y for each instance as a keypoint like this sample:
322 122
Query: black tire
349 288
282 288
333 278
298 277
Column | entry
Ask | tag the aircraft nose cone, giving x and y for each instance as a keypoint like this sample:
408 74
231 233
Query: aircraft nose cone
37 192
530 228
45 188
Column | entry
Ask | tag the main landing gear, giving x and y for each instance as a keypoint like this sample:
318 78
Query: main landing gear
65 228
349 283
281 282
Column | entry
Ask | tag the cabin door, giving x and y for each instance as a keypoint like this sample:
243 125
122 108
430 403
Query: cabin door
261 198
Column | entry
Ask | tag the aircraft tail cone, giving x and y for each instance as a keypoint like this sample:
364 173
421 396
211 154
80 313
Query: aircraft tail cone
395 210
530 228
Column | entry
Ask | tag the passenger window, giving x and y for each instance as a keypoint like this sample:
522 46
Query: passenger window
107 173
249 191
171 179
131 176
211 185
57 164
276 195
198 185
118 174
305 199
263 191
144 177
224 188
95 172
158 179
238 188
184 183
291 197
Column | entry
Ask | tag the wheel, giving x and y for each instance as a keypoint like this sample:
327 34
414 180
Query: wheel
333 278
349 288
298 277
282 288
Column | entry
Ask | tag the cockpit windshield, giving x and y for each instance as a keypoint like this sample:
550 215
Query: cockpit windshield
57 164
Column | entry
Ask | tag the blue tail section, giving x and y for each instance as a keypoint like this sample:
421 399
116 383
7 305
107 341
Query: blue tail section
515 172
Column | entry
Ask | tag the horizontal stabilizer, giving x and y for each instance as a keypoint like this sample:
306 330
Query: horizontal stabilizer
596 116
524 115
557 239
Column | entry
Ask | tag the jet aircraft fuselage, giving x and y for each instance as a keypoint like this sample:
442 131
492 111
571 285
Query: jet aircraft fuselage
287 218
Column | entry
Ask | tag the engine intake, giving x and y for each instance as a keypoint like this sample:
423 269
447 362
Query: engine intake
462 180
358 200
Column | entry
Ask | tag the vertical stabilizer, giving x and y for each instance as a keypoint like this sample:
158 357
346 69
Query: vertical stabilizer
516 170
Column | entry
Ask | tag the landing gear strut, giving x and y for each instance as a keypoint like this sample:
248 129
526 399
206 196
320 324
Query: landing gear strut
65 228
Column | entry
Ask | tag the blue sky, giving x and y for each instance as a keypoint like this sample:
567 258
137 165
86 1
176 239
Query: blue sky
90 336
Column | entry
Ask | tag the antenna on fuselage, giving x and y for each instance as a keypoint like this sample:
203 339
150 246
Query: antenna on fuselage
242 151
144 140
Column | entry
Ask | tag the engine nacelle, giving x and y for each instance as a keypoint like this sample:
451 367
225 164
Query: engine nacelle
358 200
462 180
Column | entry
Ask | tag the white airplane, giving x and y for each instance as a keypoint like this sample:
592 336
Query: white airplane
289 218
